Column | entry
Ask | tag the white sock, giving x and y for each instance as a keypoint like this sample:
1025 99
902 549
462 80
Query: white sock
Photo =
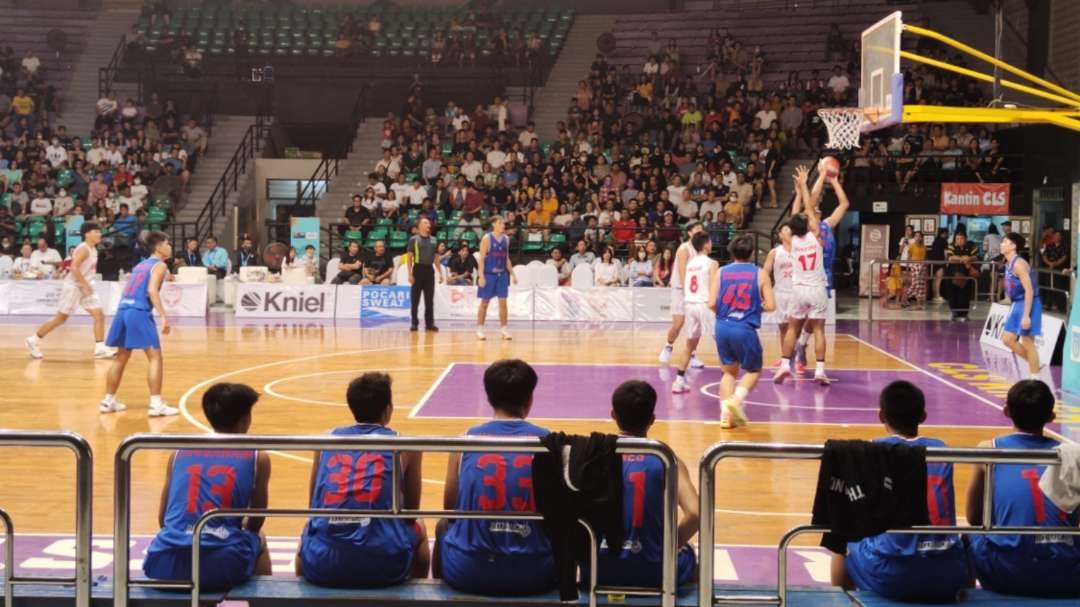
35 337
740 394
819 367
156 402
693 355
109 398
785 362
804 338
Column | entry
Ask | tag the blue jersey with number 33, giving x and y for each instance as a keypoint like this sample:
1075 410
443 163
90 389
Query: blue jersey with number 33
739 299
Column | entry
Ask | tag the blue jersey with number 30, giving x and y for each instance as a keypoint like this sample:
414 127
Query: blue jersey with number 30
739 299
204 480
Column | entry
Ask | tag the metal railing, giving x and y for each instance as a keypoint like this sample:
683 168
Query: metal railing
84 490
1061 281
111 72
122 582
988 458
876 263
216 206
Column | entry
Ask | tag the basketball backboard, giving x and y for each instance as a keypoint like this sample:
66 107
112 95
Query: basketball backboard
881 87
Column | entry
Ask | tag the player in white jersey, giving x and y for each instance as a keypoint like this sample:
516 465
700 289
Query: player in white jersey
683 255
779 265
78 292
700 275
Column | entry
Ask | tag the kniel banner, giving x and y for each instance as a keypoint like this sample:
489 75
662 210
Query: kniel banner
275 300
995 325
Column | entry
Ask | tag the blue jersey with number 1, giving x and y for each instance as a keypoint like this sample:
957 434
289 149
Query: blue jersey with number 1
739 299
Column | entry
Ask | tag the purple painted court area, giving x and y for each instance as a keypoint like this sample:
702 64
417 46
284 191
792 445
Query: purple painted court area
54 555
583 391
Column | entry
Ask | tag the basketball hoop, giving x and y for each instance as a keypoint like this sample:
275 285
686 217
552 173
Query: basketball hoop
844 125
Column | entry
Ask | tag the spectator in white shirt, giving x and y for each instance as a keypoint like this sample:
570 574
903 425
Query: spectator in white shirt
44 255
605 272
839 82
500 114
106 108
416 195
63 203
97 153
766 117
496 157
472 167
711 205
582 256
40 206
115 158
124 197
23 264
676 191
388 165
400 188
561 266
55 153
31 63
526 136
139 191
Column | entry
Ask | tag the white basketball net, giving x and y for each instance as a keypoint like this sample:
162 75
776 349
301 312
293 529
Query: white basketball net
844 125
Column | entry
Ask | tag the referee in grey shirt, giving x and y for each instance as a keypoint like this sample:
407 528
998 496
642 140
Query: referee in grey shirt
420 257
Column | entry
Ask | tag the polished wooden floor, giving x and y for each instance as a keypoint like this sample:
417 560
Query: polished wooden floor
757 501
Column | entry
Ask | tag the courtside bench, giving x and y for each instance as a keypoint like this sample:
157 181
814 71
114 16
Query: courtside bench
48 595
976 597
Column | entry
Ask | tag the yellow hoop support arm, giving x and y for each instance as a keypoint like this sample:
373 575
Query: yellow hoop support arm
1016 86
920 31
945 113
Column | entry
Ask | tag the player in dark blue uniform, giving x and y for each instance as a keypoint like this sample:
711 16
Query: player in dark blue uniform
639 562
496 274
1024 323
496 557
903 567
231 549
133 327
346 552
739 296
1030 565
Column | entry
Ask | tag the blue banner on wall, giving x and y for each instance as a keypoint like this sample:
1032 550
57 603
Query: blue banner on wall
384 302
72 232
304 231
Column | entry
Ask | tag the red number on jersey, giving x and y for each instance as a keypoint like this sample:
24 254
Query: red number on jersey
693 283
348 480
1032 477
813 262
496 480
737 296
223 489
939 512
637 517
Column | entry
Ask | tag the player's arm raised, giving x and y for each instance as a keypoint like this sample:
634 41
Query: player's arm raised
1023 272
77 260
814 200
157 276
799 179
485 246
842 202
714 285
260 494
768 301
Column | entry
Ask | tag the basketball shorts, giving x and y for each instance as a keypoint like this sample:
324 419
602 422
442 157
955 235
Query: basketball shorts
939 577
677 307
809 303
71 299
488 574
495 285
221 567
339 564
782 314
738 343
1016 314
698 319
1024 570
133 329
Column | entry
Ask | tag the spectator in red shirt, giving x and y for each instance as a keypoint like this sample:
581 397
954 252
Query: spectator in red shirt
624 228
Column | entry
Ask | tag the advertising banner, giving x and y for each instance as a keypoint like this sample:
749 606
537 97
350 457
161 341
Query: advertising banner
40 297
276 300
72 232
974 199
183 300
304 231
379 302
995 325
652 304
601 304
873 245
461 303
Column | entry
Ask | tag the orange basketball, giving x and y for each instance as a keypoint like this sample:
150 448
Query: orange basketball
830 166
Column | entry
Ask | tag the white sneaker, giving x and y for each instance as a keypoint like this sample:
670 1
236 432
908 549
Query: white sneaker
665 355
480 335
680 386
163 411
113 407
696 363
506 335
32 345
821 378
732 415
104 352
781 374
938 300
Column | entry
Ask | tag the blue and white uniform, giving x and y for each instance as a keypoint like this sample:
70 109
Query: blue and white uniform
351 552
888 563
1014 290
828 252
1031 565
738 316
133 326
204 480
639 563
496 276
497 557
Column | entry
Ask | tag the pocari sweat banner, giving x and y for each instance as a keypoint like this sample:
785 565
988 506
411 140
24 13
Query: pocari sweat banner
378 302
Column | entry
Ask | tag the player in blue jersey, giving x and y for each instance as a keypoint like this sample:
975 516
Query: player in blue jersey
496 557
639 563
349 552
1024 323
133 327
1029 565
231 549
907 567
740 294
496 274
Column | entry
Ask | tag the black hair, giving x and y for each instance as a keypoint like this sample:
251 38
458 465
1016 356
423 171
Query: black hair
509 384
1031 405
742 248
225 404
368 396
903 405
690 226
1017 239
799 224
634 406
154 238
699 241
992 229
88 226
